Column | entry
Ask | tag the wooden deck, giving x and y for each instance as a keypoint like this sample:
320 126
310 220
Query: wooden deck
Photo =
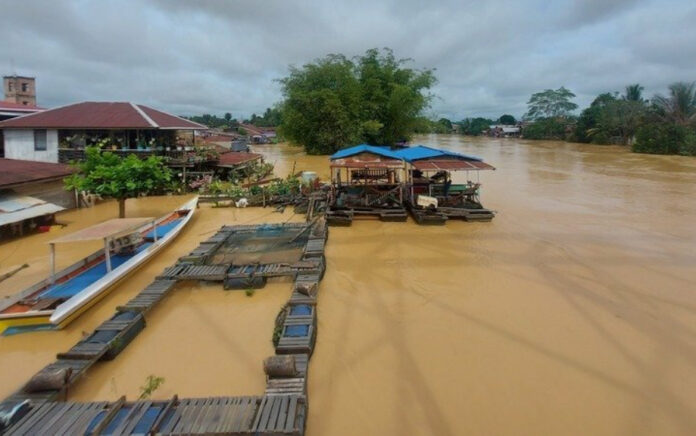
345 216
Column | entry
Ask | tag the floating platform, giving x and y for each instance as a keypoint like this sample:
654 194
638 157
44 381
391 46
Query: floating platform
39 406
260 415
345 217
425 216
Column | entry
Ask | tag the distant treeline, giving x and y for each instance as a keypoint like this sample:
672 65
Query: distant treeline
661 125
270 118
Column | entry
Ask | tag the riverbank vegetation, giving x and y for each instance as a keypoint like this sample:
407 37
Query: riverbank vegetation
665 124
335 102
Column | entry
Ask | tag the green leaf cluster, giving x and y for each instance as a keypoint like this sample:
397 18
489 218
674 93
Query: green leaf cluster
109 175
551 103
336 102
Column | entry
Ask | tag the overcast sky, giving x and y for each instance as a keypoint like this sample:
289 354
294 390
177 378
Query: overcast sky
191 57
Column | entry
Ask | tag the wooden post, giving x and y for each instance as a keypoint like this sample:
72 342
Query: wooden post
53 263
107 255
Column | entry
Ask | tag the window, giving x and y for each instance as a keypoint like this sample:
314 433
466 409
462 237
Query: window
24 87
39 140
9 86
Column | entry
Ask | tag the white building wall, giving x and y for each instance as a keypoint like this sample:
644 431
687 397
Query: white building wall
19 144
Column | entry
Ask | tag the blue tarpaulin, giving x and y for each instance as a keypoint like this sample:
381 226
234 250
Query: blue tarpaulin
364 148
418 152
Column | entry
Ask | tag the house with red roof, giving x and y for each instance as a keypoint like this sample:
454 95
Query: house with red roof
61 134
31 193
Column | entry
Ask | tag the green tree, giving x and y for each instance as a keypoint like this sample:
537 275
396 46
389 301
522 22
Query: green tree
546 128
589 118
322 104
680 106
475 126
228 117
446 124
335 102
551 104
507 120
634 93
391 94
108 175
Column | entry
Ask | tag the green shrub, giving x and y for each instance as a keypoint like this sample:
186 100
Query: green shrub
660 138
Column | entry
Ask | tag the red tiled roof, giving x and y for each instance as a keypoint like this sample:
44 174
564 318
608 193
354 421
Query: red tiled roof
101 115
18 106
235 158
14 172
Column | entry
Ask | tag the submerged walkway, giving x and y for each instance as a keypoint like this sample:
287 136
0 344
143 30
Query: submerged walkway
40 406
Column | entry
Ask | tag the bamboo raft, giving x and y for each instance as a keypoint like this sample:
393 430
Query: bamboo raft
40 406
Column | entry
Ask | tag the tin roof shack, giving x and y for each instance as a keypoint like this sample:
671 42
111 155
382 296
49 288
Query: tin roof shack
366 180
61 134
30 194
432 197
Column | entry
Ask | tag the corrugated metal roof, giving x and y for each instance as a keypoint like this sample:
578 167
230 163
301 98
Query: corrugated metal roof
14 171
234 158
418 152
101 115
15 208
105 229
451 165
365 148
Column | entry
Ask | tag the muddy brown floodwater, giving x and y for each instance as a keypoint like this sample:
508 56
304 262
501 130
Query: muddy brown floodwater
573 312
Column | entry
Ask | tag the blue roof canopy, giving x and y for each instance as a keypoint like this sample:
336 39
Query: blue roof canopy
418 152
365 148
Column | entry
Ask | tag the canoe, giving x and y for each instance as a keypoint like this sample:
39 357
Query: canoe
57 300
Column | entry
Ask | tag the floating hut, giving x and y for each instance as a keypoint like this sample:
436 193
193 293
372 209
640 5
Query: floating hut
432 196
366 180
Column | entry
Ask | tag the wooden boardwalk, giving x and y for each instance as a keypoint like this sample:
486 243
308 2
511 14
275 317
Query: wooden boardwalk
39 407
263 415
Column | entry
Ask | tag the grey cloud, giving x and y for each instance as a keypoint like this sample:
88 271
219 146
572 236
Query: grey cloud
219 56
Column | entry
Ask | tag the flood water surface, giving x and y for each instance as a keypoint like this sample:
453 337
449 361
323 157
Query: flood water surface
573 312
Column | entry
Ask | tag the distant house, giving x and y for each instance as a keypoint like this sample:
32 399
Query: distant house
503 131
259 135
31 193
61 134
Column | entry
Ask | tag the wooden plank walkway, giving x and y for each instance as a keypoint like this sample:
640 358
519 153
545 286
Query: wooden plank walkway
148 297
264 415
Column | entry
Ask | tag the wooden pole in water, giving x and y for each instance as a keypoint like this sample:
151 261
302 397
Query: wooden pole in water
53 262
107 255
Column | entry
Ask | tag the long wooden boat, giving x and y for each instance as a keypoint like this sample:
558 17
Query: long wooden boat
57 300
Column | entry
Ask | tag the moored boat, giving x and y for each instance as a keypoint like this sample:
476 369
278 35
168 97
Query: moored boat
57 300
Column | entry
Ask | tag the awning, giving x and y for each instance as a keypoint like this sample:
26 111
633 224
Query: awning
107 229
451 165
16 208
